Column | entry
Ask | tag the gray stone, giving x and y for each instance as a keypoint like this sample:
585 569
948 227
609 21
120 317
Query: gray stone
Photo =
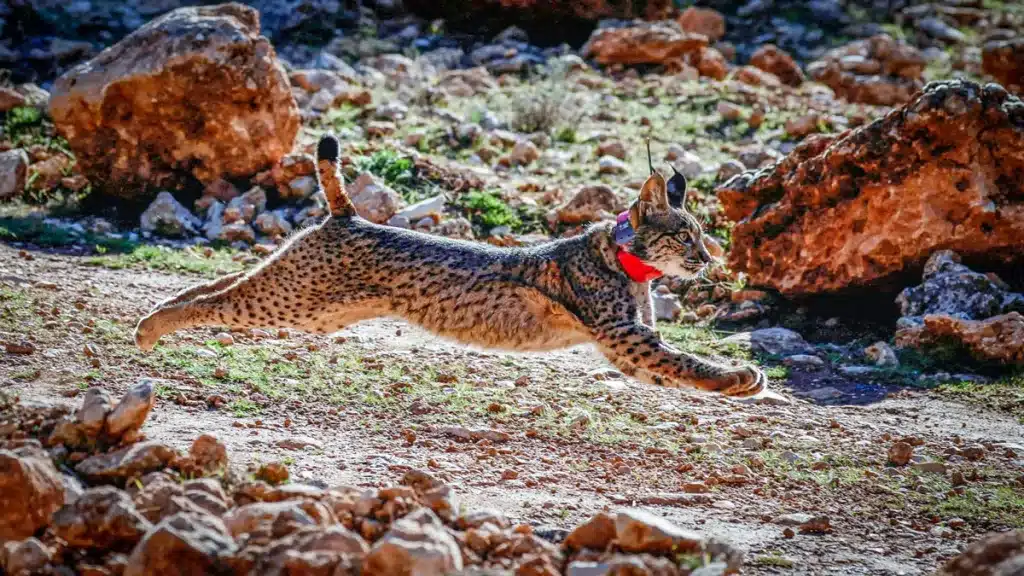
373 200
611 165
775 341
882 355
730 168
932 467
303 186
804 361
666 306
416 544
687 163
166 216
825 393
13 168
858 371
93 412
939 30
214 224
273 224
391 111
952 289
794 519
130 413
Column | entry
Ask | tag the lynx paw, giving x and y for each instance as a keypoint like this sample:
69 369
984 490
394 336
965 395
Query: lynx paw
742 381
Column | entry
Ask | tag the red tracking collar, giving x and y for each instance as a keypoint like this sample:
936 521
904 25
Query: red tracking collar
635 268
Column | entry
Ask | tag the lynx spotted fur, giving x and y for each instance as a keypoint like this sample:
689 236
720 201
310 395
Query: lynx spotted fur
553 295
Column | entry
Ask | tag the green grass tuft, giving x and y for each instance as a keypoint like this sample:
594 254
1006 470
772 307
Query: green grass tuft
190 260
487 211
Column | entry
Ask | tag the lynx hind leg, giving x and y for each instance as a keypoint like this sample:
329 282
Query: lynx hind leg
265 298
202 289
637 350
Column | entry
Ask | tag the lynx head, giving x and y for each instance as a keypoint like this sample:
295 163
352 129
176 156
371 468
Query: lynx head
667 236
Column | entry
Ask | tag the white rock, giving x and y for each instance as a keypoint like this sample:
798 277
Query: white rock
303 186
804 361
524 153
13 168
882 355
373 200
273 224
775 341
424 208
610 165
686 162
666 306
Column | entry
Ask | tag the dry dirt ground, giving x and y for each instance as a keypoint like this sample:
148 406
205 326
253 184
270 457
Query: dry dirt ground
553 437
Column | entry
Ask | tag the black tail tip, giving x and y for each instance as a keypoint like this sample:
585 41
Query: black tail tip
328 148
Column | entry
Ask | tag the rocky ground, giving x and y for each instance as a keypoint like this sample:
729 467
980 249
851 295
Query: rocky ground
870 229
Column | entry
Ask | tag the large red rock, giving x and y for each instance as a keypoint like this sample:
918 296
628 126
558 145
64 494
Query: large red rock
877 70
946 171
999 339
195 92
704 21
773 59
1004 61
31 490
643 43
998 553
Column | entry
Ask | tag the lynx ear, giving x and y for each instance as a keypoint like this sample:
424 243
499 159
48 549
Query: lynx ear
655 192
677 190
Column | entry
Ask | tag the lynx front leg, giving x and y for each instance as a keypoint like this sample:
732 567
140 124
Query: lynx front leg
636 349
642 294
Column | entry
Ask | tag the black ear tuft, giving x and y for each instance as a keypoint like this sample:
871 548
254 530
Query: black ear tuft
328 148
677 189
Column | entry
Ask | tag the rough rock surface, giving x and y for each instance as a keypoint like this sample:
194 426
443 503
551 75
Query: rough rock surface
374 200
102 517
998 339
27 556
197 90
416 544
1004 61
878 70
704 21
30 490
949 288
182 544
590 204
771 58
775 341
167 217
955 304
131 412
998 554
643 43
161 522
134 460
13 170
944 171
